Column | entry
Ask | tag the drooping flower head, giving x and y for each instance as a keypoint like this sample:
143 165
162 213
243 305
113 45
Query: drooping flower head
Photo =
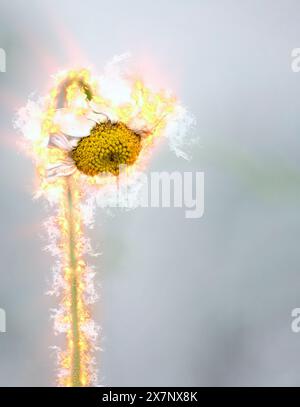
108 146
89 127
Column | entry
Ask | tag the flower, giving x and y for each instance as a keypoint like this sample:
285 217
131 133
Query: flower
105 147
104 124
108 146
99 128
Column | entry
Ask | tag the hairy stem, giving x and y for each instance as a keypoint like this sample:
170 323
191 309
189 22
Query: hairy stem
75 368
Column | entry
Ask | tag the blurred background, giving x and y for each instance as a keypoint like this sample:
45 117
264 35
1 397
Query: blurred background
184 302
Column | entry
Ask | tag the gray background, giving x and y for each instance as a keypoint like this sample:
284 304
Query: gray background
183 302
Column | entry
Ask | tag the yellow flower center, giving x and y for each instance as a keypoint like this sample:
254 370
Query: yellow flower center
108 146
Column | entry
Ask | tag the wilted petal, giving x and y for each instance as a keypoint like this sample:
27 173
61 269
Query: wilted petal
139 125
97 117
103 113
61 141
62 169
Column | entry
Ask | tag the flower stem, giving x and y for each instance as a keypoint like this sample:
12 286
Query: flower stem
75 367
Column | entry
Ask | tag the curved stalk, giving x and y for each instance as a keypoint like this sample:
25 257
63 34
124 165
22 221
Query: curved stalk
75 366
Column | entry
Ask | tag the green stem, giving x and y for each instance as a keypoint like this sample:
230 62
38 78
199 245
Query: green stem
75 368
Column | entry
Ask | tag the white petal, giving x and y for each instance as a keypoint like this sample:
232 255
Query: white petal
73 142
97 117
103 112
72 124
60 141
62 169
139 125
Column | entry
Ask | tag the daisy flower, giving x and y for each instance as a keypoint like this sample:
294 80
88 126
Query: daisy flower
81 135
100 146
92 128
